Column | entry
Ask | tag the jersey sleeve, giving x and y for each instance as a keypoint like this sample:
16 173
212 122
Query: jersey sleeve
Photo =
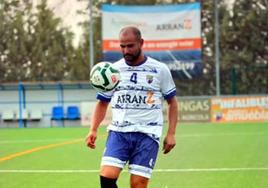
104 96
168 87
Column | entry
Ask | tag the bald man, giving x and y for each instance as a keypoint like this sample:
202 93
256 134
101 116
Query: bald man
137 122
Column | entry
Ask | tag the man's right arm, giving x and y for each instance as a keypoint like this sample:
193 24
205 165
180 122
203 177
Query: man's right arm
97 117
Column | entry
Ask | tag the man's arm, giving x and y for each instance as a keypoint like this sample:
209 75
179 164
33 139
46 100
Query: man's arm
97 117
170 140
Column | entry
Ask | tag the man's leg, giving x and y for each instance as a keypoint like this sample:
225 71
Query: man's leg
138 181
114 158
108 176
142 160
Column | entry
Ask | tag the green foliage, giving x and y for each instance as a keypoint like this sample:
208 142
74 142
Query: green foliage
34 46
52 51
245 46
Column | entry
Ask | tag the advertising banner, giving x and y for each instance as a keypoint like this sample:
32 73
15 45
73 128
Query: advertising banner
194 110
172 34
239 109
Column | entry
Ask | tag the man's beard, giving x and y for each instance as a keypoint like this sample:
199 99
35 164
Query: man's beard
132 57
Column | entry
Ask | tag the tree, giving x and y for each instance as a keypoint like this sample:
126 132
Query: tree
244 46
11 39
51 49
34 46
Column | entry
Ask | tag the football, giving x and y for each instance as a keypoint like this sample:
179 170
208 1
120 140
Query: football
104 76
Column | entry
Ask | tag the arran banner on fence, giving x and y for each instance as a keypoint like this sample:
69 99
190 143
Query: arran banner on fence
172 34
239 109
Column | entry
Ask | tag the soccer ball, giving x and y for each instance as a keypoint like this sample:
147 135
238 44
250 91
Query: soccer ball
104 76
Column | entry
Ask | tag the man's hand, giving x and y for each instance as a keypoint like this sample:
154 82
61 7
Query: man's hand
169 143
91 138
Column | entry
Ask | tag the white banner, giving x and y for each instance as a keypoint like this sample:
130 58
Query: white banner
172 33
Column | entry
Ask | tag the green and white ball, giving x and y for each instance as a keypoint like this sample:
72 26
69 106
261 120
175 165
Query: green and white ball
104 76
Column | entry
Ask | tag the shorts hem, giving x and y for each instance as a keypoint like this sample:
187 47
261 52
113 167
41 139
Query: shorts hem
111 161
112 164
140 170
140 174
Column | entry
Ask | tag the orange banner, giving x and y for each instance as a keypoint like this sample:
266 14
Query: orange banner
158 45
239 109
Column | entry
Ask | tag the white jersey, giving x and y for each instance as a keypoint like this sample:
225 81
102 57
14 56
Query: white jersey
137 101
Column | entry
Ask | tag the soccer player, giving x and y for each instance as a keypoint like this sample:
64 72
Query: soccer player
137 121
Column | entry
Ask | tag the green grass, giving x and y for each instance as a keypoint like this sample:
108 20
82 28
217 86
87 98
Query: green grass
226 148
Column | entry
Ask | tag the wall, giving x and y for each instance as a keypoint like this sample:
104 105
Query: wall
42 100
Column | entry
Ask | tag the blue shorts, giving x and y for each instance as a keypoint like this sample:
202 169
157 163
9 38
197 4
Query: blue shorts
138 149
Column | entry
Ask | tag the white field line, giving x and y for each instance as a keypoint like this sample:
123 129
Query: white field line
222 134
155 171
178 136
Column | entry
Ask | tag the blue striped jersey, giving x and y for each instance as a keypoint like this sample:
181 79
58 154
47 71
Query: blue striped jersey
137 100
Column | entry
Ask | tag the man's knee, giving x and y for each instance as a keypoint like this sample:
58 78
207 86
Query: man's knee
108 182
138 181
110 171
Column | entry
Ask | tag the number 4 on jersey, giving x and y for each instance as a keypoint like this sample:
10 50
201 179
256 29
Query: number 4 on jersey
133 77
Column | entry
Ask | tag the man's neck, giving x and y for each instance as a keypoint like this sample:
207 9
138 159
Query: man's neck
138 61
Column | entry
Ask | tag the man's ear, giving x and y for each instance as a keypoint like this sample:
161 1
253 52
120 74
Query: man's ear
141 42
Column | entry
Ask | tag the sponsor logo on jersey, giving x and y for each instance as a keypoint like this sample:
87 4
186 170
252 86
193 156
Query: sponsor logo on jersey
131 99
149 79
136 99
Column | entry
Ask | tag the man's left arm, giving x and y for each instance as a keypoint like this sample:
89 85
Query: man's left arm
170 140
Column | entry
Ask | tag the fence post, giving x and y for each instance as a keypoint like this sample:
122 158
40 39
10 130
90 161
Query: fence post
233 79
22 104
60 98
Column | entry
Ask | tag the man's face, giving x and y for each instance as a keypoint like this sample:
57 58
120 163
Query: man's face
130 46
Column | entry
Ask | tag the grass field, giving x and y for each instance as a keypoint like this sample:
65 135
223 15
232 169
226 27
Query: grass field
206 156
